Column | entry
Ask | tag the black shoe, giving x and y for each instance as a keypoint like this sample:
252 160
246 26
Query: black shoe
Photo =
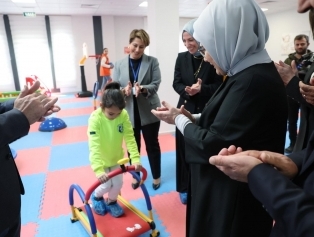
156 186
289 149
135 185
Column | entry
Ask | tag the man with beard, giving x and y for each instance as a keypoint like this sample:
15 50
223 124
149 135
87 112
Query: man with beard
301 43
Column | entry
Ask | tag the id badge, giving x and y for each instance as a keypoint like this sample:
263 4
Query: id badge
133 90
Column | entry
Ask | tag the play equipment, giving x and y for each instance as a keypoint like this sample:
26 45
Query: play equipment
29 82
52 124
132 224
85 92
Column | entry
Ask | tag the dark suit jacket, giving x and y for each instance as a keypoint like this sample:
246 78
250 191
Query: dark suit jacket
290 203
13 125
307 110
248 110
184 76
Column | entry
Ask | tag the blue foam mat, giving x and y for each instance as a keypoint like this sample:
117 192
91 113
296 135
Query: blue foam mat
31 201
69 156
33 140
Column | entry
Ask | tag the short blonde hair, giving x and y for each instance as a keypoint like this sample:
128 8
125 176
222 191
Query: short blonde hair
141 34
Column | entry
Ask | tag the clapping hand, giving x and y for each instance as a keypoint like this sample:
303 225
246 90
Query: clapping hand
166 114
127 89
137 89
35 106
286 72
195 88
237 164
307 91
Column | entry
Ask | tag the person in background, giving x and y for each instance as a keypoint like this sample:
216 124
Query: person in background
301 91
16 116
104 70
248 110
139 76
301 44
108 127
195 81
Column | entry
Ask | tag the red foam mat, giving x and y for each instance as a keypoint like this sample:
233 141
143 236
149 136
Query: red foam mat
29 230
124 226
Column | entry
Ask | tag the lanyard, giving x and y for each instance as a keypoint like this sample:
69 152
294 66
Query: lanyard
135 74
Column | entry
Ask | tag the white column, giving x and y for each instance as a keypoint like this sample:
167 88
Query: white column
162 26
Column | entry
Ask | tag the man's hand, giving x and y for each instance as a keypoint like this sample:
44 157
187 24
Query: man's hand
195 88
286 72
103 178
237 167
167 114
307 91
34 105
281 162
231 150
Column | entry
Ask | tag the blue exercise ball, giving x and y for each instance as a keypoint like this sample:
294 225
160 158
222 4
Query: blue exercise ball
52 124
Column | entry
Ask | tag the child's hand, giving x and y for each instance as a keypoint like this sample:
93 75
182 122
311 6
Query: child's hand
138 167
103 178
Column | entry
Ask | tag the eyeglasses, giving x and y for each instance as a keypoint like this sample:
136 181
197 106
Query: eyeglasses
202 50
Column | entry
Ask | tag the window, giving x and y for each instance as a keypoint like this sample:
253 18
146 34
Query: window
31 48
63 51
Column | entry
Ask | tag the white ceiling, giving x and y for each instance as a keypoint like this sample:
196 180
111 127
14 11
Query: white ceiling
187 8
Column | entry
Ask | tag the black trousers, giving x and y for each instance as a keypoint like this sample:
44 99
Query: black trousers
182 168
150 134
293 109
13 231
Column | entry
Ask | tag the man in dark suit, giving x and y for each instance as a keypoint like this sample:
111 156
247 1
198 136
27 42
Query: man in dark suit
16 116
284 185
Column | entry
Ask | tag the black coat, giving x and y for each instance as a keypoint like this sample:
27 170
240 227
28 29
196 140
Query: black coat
290 203
13 125
184 76
307 110
249 110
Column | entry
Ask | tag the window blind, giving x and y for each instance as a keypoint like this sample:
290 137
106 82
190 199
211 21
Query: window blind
63 51
31 48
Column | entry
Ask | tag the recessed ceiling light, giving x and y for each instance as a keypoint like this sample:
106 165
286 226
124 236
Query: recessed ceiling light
144 4
264 9
23 1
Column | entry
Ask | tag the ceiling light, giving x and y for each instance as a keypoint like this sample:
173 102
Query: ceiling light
23 1
144 4
264 9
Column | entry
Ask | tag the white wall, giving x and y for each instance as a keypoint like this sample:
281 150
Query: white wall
282 23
